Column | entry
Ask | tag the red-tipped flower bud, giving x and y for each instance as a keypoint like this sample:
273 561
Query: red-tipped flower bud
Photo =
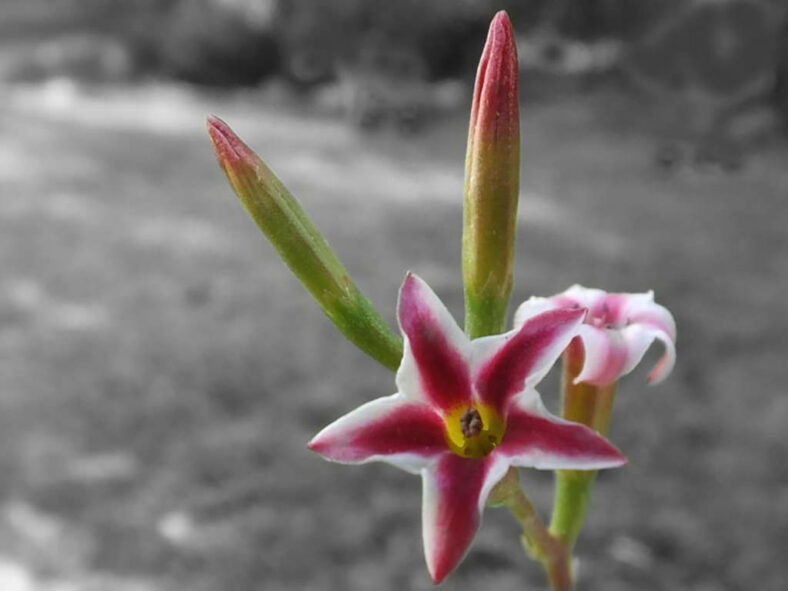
492 183
302 247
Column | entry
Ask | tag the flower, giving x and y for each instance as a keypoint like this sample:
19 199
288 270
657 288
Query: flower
464 412
617 332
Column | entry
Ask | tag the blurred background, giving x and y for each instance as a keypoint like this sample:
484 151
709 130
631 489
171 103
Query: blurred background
161 371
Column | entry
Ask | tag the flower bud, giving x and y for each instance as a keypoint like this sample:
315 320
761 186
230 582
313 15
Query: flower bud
302 247
492 179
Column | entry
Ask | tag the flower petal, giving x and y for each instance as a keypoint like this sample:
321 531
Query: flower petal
639 339
507 363
584 297
603 308
455 491
640 308
611 353
392 429
531 307
605 355
434 364
535 438
619 329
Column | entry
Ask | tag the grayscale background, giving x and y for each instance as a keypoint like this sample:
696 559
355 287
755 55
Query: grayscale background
161 371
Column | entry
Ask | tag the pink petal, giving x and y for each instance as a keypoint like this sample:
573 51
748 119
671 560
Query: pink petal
603 307
620 329
611 309
639 338
606 355
534 306
612 353
434 365
640 308
391 429
579 296
647 321
523 356
455 491
536 439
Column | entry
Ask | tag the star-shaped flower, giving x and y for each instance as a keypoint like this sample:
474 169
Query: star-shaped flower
465 411
617 332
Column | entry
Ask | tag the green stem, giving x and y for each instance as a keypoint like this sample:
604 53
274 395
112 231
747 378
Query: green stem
537 540
573 492
591 406
485 316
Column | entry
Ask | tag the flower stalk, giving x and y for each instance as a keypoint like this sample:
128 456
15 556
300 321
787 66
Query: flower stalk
466 415
303 248
538 541
590 405
618 330
492 184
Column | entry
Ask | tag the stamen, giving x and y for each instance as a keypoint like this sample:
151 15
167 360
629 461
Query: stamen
471 423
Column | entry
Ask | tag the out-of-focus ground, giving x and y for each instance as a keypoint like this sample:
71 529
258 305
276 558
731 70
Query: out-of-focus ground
162 372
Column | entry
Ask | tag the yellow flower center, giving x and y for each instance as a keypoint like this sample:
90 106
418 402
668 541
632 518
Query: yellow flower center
473 432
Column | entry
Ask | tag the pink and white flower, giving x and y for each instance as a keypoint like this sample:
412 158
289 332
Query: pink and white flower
464 412
617 332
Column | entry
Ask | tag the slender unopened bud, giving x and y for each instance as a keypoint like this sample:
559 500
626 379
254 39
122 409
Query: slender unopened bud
302 247
492 183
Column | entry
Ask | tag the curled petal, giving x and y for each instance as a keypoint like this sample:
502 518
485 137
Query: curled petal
455 490
606 355
537 439
618 331
510 362
390 429
640 308
611 353
434 365
639 339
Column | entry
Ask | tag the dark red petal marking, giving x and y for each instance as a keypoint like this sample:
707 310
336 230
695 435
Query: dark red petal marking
504 375
458 482
410 428
442 368
528 433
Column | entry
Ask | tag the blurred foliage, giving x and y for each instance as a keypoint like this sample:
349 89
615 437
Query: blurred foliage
381 56
237 42
242 41
207 43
